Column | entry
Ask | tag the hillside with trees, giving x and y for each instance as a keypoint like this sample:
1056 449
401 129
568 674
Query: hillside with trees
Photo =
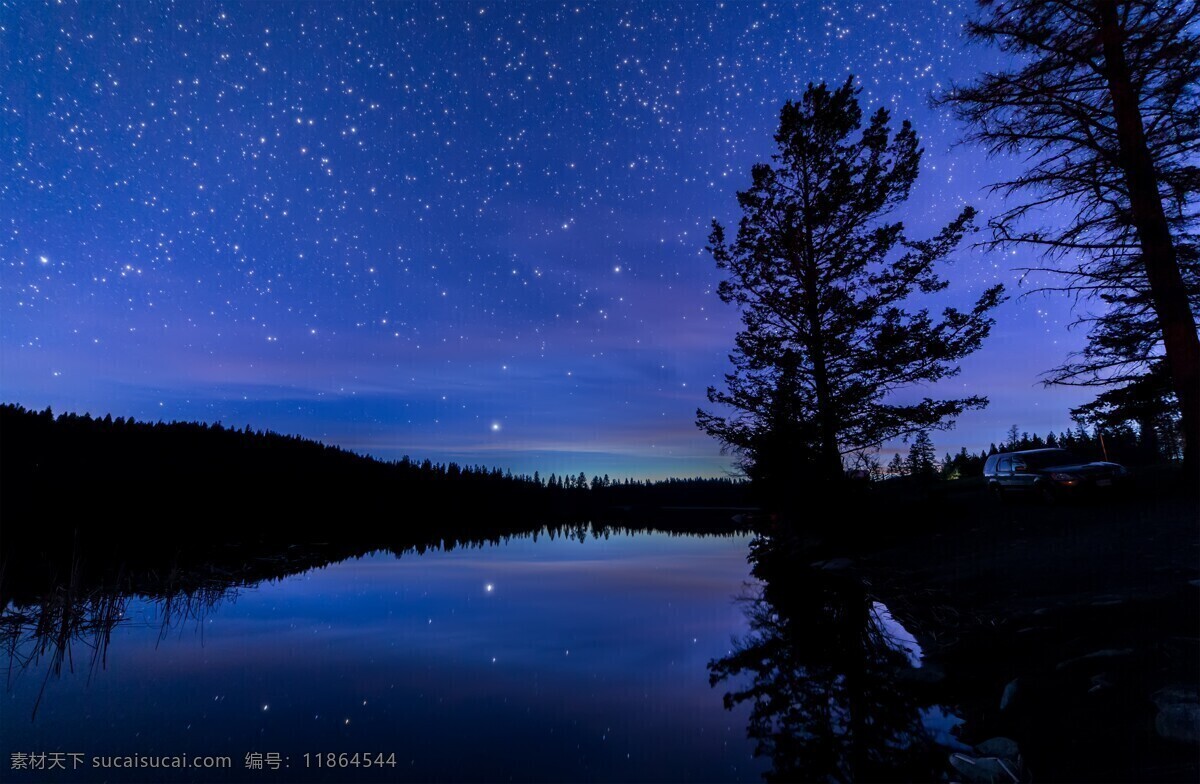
64 469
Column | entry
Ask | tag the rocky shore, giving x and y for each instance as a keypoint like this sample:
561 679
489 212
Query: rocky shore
1067 636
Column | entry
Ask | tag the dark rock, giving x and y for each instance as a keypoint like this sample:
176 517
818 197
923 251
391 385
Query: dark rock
1108 653
1099 682
833 564
1178 714
1005 748
979 770
997 760
1010 693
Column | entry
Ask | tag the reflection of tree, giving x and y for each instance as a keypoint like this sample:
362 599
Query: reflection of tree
72 620
62 600
824 703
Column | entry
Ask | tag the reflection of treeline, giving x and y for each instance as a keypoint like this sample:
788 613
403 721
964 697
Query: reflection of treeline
35 567
61 599
75 463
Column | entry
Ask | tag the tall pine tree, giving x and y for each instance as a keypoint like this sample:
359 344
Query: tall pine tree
1101 101
822 273
921 462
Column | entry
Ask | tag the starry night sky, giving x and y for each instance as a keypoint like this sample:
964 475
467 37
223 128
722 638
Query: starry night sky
466 231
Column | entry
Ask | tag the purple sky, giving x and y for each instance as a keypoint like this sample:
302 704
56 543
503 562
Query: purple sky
468 231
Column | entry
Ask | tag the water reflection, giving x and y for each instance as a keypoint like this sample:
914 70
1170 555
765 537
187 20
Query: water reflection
62 606
67 629
823 669
584 660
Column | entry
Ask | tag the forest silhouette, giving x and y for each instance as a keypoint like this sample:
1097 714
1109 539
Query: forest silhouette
59 471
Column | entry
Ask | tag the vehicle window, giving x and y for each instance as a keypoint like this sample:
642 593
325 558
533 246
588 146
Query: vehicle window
1054 457
1004 466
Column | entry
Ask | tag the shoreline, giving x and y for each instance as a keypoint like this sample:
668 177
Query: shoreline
1073 629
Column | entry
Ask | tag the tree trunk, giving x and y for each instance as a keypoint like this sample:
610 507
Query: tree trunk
831 456
1148 442
1158 250
829 461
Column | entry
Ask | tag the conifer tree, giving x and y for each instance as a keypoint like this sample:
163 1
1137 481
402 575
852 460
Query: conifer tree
823 272
1101 100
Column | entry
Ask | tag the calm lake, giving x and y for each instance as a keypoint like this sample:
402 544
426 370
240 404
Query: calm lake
547 659
572 654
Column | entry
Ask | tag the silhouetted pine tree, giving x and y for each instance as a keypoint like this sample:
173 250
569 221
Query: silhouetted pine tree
921 462
822 276
1147 402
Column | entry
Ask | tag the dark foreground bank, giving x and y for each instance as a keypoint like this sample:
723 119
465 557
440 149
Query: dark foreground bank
1072 629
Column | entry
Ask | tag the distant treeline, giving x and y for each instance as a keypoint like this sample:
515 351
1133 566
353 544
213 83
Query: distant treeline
1121 445
75 464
